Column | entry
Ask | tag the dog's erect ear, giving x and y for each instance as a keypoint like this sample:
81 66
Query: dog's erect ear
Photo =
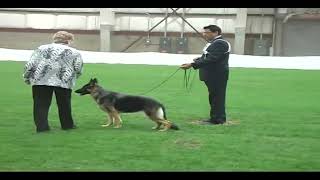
93 81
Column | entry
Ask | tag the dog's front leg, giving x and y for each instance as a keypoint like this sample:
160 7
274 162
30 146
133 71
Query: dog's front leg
110 120
117 118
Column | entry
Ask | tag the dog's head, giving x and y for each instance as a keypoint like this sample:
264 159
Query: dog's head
87 88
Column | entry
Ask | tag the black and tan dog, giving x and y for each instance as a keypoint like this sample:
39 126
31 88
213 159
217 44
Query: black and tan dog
115 103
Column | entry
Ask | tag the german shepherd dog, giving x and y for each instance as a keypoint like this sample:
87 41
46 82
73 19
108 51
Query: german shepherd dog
115 103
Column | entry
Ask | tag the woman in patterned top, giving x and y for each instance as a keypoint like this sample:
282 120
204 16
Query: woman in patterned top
53 68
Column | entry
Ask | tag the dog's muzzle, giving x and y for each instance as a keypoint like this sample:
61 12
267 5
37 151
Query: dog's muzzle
78 92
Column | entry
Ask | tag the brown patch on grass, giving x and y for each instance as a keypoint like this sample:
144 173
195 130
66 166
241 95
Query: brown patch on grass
188 143
228 123
232 122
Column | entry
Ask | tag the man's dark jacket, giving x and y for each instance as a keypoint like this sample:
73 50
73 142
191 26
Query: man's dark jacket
214 63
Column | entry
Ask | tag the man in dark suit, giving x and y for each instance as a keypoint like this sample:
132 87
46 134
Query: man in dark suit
214 71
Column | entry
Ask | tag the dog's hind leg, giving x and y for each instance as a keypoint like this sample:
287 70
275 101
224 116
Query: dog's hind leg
166 124
159 121
157 115
153 115
110 120
158 124
160 117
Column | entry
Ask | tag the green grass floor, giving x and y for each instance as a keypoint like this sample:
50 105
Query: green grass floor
274 124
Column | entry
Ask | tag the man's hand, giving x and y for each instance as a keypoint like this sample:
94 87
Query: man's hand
196 59
186 66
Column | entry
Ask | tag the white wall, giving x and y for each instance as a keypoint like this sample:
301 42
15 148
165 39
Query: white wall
131 19
148 10
300 62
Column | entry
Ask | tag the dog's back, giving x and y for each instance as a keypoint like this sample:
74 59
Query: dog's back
129 103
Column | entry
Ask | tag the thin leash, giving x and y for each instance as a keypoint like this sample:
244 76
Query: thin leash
161 82
187 82
186 77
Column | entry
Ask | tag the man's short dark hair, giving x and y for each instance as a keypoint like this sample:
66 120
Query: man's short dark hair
213 28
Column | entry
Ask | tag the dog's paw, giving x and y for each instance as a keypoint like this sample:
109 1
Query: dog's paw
105 125
155 128
164 129
117 127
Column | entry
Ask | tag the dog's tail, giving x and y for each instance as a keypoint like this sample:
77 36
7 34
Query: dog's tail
173 126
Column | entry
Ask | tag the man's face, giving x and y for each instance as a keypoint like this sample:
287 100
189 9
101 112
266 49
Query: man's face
209 35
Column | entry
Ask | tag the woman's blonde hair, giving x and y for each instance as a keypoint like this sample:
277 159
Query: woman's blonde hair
63 37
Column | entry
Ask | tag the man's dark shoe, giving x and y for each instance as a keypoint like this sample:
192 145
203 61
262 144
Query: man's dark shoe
73 127
219 121
43 130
